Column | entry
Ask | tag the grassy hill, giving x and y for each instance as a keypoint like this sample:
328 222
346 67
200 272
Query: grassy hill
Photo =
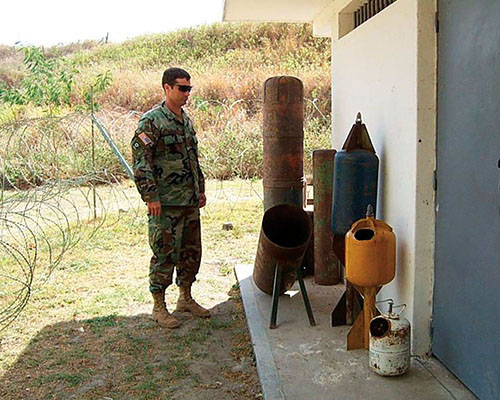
228 64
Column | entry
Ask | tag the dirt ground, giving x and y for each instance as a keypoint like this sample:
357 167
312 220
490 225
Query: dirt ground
87 332
130 357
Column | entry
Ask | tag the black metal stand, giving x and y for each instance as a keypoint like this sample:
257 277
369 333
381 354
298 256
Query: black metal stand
276 295
310 315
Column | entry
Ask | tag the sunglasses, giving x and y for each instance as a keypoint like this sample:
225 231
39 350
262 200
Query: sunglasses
184 88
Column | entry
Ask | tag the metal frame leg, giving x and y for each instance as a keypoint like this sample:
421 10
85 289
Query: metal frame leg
348 307
276 295
339 312
310 315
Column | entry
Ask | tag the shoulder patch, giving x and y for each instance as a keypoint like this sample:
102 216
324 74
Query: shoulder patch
144 139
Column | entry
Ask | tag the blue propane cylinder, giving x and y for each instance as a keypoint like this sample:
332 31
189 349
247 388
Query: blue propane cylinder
355 177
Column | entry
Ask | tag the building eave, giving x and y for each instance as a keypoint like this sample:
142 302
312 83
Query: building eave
286 11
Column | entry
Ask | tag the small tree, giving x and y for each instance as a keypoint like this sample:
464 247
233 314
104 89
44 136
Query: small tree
99 86
48 83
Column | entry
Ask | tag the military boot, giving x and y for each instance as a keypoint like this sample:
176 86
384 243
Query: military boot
161 314
186 303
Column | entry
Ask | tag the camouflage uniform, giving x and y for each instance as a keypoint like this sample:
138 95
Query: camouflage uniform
166 169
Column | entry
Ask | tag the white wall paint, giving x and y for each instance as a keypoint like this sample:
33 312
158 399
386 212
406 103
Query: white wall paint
378 70
426 164
275 10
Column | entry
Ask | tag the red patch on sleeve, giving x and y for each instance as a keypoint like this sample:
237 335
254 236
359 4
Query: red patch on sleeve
144 139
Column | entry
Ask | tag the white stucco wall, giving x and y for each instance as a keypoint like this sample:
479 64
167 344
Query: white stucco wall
386 69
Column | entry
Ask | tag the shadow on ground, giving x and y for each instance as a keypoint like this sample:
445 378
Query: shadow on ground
121 357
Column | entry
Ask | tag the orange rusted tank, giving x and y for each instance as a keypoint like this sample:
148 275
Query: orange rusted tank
370 247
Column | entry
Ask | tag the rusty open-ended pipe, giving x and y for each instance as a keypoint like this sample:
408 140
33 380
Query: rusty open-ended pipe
283 138
284 236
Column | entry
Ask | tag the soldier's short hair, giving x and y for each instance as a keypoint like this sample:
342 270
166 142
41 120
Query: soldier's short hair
171 74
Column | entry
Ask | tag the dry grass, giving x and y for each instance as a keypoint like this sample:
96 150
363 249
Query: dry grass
228 63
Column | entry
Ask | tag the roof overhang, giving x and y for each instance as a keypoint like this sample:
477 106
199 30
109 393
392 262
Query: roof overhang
316 12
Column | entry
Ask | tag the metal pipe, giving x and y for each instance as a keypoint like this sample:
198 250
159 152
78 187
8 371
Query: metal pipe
284 236
283 138
326 266
94 195
113 146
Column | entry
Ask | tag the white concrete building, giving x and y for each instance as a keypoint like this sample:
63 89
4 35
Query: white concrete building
428 87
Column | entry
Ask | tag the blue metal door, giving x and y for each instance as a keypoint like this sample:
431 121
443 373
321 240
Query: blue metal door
466 334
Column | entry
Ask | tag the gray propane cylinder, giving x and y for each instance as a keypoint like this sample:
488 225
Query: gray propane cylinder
390 343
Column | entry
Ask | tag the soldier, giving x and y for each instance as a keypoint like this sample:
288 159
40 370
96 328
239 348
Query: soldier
168 176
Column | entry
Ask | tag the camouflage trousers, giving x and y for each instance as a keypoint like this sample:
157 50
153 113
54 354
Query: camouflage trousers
175 239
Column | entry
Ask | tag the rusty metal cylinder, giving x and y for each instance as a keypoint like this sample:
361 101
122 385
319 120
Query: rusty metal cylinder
284 236
283 138
326 263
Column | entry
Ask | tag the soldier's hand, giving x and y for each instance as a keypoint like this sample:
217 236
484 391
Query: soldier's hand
203 200
154 208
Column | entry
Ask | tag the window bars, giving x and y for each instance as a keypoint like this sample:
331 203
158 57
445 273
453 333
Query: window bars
369 9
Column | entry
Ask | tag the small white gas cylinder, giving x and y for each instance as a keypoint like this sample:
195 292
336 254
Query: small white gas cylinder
390 343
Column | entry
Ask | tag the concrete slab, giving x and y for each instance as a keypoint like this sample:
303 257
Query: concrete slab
298 362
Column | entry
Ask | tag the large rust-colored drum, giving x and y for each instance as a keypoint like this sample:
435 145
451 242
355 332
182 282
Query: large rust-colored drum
283 138
284 236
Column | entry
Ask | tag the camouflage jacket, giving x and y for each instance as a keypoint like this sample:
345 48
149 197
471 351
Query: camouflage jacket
165 159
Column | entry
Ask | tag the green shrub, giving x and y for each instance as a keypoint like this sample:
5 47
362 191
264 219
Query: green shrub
47 84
